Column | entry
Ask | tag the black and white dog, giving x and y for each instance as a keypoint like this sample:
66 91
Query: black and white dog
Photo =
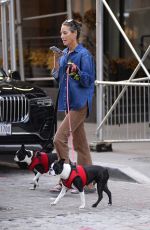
36 161
78 176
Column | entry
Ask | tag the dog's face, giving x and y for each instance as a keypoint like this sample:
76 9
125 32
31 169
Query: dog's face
56 167
60 168
23 156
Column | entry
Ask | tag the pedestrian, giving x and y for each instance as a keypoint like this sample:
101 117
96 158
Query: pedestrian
78 63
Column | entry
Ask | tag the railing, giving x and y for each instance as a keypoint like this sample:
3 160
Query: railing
130 118
122 112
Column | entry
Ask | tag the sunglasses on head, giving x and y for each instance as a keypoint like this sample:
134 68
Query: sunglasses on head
69 20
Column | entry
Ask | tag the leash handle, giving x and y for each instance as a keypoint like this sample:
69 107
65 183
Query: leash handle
69 118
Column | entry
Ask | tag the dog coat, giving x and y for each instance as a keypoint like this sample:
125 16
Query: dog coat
79 171
42 159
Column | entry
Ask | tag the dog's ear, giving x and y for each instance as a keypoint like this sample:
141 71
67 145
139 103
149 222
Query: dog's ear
22 147
25 151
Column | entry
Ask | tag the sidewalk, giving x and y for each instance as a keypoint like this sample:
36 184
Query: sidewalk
24 209
21 208
127 161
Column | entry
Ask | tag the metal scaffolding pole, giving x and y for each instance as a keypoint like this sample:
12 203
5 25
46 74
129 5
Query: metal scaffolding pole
12 35
20 45
99 62
69 9
4 35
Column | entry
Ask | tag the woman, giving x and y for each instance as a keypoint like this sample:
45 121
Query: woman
78 64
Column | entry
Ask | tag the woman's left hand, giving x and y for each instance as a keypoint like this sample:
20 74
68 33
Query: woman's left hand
72 68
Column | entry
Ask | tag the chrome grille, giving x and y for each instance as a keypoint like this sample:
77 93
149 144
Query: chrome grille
14 108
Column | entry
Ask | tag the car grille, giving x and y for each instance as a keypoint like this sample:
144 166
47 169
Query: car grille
14 108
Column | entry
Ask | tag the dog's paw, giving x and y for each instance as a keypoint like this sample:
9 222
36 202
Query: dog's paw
94 205
32 188
82 207
34 182
109 204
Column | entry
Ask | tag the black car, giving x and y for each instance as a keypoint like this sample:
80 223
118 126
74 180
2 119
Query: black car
26 113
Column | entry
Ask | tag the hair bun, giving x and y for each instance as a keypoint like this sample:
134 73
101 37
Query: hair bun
78 23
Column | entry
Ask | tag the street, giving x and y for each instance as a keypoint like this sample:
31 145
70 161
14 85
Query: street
23 209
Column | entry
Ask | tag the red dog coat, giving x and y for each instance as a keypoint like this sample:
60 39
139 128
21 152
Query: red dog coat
79 171
42 160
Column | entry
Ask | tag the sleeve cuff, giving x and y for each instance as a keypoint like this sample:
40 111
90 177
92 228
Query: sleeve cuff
54 73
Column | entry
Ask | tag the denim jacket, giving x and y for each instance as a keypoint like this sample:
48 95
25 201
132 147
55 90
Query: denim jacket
80 92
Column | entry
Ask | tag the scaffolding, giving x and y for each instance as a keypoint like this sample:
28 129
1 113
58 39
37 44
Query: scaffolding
104 112
14 26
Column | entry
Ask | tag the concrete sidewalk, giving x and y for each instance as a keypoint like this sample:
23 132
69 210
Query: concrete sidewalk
21 208
126 161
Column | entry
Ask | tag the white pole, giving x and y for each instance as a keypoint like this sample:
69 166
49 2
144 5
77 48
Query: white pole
4 36
69 9
20 45
126 38
12 35
99 63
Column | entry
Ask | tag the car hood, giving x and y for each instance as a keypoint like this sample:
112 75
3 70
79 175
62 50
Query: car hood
19 87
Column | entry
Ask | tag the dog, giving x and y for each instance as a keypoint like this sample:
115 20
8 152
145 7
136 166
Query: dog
36 161
78 176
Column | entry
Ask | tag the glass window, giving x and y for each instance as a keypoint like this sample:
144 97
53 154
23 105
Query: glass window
136 26
41 7
41 29
133 16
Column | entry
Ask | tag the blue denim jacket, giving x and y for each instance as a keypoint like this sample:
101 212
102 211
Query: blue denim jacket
80 91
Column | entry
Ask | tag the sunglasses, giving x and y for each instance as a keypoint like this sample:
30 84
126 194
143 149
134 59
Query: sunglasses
69 20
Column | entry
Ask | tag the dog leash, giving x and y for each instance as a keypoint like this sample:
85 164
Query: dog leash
69 118
68 109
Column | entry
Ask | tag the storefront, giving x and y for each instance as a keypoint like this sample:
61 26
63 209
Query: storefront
37 27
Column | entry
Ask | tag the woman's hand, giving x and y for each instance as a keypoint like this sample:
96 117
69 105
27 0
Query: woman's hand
72 71
72 68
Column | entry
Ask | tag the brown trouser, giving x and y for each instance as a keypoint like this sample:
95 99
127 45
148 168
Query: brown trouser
79 137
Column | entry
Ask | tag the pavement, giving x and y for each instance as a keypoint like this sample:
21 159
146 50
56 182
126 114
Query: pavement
126 161
129 167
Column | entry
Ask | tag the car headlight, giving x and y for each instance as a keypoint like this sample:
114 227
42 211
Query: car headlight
45 101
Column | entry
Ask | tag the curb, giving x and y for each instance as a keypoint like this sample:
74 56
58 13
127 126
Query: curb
125 173
10 165
119 172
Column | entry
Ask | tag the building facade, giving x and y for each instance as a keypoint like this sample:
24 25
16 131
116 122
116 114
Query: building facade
37 27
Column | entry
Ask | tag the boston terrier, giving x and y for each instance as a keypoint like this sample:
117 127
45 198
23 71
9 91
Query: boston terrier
78 176
36 161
